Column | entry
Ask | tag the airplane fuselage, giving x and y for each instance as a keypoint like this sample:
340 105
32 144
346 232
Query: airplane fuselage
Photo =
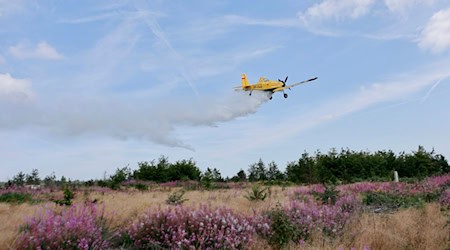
272 86
263 85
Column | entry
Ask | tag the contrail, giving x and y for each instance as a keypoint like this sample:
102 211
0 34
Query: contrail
425 97
158 32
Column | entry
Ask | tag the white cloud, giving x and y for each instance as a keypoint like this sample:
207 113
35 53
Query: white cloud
337 9
14 89
401 6
242 20
436 34
41 51
89 19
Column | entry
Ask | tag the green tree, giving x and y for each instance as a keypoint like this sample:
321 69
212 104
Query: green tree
183 170
164 171
240 176
50 180
273 173
217 176
302 171
19 179
121 175
207 178
257 171
33 178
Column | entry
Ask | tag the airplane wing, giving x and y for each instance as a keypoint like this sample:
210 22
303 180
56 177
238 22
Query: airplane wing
293 85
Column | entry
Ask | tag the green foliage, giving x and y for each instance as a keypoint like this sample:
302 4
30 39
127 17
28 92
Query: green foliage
141 187
176 198
15 198
302 171
68 196
283 230
164 171
121 175
349 166
273 173
257 171
50 180
210 177
240 176
33 178
329 196
19 179
257 193
392 201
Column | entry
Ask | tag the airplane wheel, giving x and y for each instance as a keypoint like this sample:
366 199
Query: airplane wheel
285 95
270 98
250 94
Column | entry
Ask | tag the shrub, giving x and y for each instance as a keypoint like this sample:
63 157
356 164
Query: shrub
257 193
68 196
176 198
186 228
78 227
141 187
283 230
328 196
392 200
297 221
17 198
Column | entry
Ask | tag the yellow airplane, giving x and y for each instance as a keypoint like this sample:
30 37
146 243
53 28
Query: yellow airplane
267 85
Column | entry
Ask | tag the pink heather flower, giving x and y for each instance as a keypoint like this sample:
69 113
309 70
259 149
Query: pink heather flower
185 228
77 227
445 198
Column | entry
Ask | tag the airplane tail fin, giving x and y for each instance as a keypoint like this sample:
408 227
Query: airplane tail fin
244 81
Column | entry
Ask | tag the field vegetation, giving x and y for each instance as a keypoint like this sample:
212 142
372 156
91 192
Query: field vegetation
336 200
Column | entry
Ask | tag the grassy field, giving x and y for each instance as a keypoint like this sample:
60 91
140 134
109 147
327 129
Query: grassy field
410 228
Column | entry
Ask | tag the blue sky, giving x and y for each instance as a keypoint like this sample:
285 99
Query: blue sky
91 86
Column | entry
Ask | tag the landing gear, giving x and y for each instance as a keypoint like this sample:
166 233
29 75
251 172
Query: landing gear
270 98
285 95
250 93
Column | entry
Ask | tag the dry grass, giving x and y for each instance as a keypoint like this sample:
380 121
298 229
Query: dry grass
11 217
407 229
424 228
126 206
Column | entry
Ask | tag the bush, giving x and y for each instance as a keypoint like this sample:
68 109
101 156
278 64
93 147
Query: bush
141 187
328 196
297 221
392 200
78 227
283 230
176 198
186 228
68 196
257 193
17 198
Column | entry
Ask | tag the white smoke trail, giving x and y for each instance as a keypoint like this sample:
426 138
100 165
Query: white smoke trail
121 119
425 97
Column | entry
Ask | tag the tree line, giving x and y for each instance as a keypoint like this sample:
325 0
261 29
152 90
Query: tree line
345 166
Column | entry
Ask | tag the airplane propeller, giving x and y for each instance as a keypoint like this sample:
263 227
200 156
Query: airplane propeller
284 82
